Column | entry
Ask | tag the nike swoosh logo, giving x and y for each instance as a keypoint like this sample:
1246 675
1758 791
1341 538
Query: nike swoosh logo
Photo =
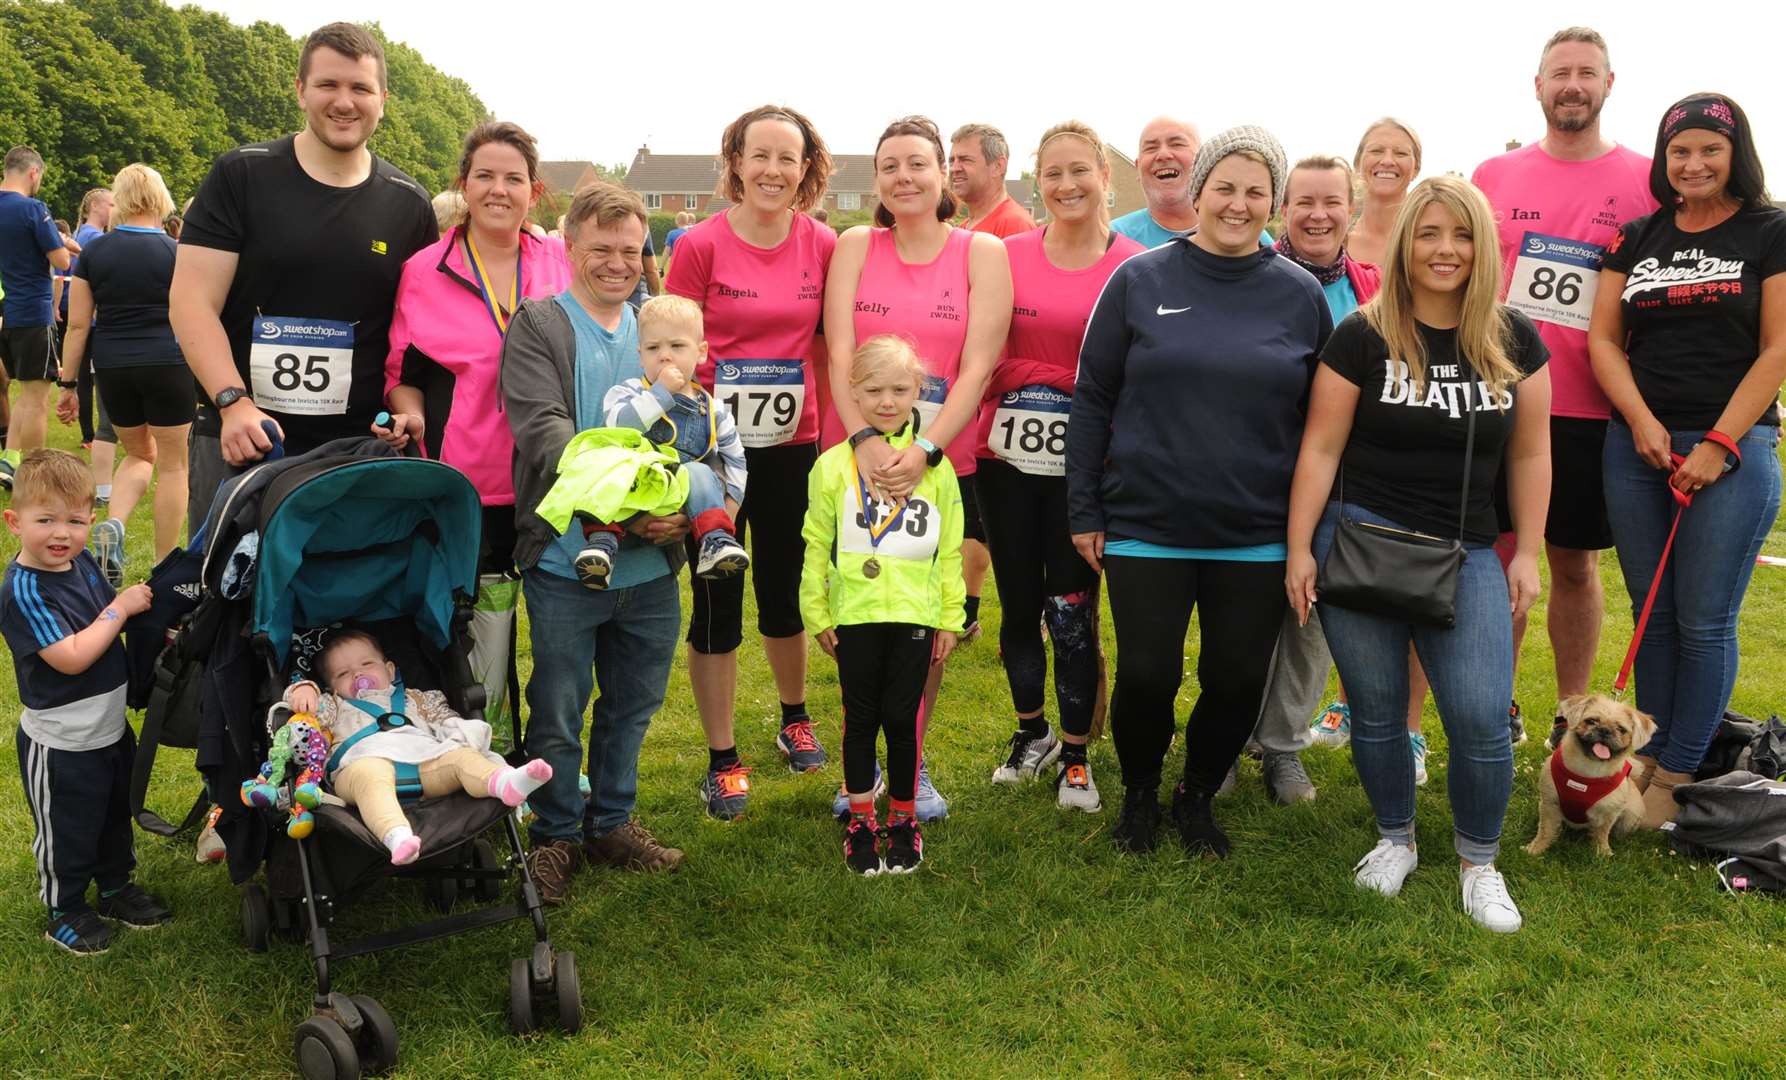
1164 310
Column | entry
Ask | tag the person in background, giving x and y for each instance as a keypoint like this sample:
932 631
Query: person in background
1387 161
1168 148
683 220
174 226
100 441
449 210
30 248
1688 340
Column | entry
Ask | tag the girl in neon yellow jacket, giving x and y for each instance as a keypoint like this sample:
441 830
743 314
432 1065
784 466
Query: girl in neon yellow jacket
881 591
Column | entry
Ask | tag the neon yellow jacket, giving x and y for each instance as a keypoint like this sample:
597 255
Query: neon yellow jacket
920 559
614 473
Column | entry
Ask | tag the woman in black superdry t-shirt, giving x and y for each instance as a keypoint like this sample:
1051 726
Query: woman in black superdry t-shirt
1689 341
1389 417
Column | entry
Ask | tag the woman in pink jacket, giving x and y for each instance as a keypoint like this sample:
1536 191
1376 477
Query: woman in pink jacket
453 306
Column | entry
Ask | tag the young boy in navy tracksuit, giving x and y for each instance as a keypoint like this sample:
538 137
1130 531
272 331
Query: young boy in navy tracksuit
61 620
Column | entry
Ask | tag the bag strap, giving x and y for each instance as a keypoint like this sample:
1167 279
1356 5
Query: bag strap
1463 498
146 819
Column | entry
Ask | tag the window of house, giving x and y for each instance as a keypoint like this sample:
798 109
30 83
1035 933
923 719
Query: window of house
689 202
654 202
849 200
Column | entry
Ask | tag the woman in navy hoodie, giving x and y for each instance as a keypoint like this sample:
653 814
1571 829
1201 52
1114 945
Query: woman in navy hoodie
1186 422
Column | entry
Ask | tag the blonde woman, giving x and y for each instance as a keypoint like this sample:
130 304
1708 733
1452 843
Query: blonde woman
117 303
1392 403
1387 161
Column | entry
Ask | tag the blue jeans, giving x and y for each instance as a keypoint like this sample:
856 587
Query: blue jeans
1471 669
630 636
705 492
1686 666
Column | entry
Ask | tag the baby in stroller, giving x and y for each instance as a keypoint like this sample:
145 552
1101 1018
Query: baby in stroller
383 735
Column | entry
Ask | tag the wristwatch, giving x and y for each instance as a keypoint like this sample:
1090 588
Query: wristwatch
933 454
862 436
229 396
67 384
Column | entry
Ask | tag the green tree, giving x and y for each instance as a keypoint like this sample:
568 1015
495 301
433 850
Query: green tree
22 119
251 69
427 117
155 36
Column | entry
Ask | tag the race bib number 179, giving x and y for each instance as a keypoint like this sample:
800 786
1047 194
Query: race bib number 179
301 367
766 398
1554 280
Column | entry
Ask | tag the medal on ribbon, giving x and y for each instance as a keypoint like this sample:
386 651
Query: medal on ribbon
877 530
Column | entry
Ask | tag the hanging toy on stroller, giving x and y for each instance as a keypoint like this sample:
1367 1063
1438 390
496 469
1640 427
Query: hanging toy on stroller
301 743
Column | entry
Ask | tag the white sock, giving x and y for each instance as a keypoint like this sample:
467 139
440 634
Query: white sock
104 490
403 845
513 786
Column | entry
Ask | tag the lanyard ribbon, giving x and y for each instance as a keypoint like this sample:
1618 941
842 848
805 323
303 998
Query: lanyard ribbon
1683 500
483 283
892 522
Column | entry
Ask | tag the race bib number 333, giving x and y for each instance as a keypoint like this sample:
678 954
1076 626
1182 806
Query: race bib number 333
1029 430
766 398
1554 280
302 367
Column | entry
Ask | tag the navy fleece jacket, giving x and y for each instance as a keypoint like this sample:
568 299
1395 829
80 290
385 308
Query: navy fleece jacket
1193 384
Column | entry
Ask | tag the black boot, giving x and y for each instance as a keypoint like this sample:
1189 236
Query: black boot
1197 829
1138 821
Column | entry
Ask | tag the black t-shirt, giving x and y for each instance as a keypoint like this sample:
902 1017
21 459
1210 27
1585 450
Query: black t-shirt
1692 307
129 270
1405 456
309 312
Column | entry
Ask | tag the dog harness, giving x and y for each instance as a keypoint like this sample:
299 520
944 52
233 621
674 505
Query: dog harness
1577 794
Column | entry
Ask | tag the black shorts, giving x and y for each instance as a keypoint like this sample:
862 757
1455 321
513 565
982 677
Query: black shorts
30 352
158 394
971 528
774 511
1577 495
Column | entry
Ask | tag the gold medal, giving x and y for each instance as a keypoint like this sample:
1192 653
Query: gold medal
872 568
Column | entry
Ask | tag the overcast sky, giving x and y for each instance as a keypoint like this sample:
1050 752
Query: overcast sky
590 84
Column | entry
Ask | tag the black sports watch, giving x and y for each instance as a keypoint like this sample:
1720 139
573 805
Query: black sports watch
229 396
862 436
933 454
68 384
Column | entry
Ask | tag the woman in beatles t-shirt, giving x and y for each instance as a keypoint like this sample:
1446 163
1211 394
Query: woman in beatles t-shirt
1689 296
1390 407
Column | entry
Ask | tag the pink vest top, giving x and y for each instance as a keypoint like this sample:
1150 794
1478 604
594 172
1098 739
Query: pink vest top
927 304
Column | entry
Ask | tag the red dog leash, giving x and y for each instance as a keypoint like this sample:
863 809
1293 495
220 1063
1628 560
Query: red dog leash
1682 501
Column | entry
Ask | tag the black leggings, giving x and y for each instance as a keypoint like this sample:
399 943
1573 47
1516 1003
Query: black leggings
1240 609
774 510
1040 576
882 667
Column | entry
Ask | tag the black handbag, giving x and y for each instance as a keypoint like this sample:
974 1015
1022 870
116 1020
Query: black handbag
1398 573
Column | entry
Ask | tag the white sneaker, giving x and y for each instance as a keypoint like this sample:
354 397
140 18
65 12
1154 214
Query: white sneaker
1074 788
1486 899
721 556
1385 867
1417 742
1030 754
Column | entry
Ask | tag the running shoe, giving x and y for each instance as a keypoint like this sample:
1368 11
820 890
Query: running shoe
1286 781
1486 899
861 848
9 463
969 635
725 791
1385 867
800 746
840 806
1334 729
108 548
1074 788
929 805
1516 723
135 907
80 932
1029 755
721 556
905 847
595 563
1417 742
1138 821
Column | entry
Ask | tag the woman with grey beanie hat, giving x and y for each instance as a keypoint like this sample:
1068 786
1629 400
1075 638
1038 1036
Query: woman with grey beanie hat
1187 417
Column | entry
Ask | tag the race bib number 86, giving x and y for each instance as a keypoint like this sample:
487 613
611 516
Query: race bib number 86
302 367
1554 280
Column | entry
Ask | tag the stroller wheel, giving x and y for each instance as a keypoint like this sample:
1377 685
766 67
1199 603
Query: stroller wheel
257 918
570 993
378 1036
520 998
483 857
324 1051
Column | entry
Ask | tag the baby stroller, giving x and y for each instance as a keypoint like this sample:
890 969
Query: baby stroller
353 533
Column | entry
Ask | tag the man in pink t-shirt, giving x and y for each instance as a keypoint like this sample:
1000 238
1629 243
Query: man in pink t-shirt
1558 203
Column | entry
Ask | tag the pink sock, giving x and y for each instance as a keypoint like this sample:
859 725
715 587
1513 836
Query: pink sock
404 844
513 786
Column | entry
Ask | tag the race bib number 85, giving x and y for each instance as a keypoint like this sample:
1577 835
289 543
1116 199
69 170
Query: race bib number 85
766 398
302 367
1029 430
1554 280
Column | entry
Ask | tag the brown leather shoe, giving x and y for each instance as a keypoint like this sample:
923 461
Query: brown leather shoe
552 865
630 847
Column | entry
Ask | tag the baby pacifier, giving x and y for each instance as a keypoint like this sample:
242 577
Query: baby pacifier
364 683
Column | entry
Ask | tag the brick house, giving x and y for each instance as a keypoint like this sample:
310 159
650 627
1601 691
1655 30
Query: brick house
566 178
670 183
1125 194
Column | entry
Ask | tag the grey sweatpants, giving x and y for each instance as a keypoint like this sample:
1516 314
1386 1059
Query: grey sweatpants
1293 686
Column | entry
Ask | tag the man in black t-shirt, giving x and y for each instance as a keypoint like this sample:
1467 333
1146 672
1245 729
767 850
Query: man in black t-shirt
288 269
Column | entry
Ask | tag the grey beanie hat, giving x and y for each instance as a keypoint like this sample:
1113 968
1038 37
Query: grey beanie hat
1245 137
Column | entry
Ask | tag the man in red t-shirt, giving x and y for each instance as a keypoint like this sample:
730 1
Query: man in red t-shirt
978 155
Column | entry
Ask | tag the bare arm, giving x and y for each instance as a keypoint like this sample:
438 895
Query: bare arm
654 281
1333 403
1612 370
80 328
840 322
202 278
82 649
1528 486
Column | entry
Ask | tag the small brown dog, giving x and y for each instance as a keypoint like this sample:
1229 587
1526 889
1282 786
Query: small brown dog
1587 781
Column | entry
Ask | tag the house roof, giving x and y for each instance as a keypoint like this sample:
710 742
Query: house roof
852 173
699 173
563 175
1024 191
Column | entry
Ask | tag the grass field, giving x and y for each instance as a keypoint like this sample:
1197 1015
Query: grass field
1026 946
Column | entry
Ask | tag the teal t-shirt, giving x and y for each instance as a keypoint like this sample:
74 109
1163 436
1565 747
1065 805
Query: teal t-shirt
1342 300
1141 549
604 358
1144 230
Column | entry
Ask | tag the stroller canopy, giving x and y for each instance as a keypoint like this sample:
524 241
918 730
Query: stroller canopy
364 539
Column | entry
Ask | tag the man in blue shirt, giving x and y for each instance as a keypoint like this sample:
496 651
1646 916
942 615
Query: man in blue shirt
1168 148
30 247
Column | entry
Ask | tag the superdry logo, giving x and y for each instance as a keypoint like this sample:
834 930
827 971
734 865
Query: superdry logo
1700 269
868 307
737 294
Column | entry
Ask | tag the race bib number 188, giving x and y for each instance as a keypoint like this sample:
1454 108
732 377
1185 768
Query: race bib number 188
766 398
1029 430
1554 280
302 367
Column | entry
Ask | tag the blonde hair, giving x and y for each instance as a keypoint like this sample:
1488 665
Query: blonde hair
1076 129
139 189
1389 122
1325 163
1483 331
46 475
449 208
670 308
885 352
684 219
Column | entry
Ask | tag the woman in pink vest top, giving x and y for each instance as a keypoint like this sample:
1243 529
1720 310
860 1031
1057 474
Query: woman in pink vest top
946 290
